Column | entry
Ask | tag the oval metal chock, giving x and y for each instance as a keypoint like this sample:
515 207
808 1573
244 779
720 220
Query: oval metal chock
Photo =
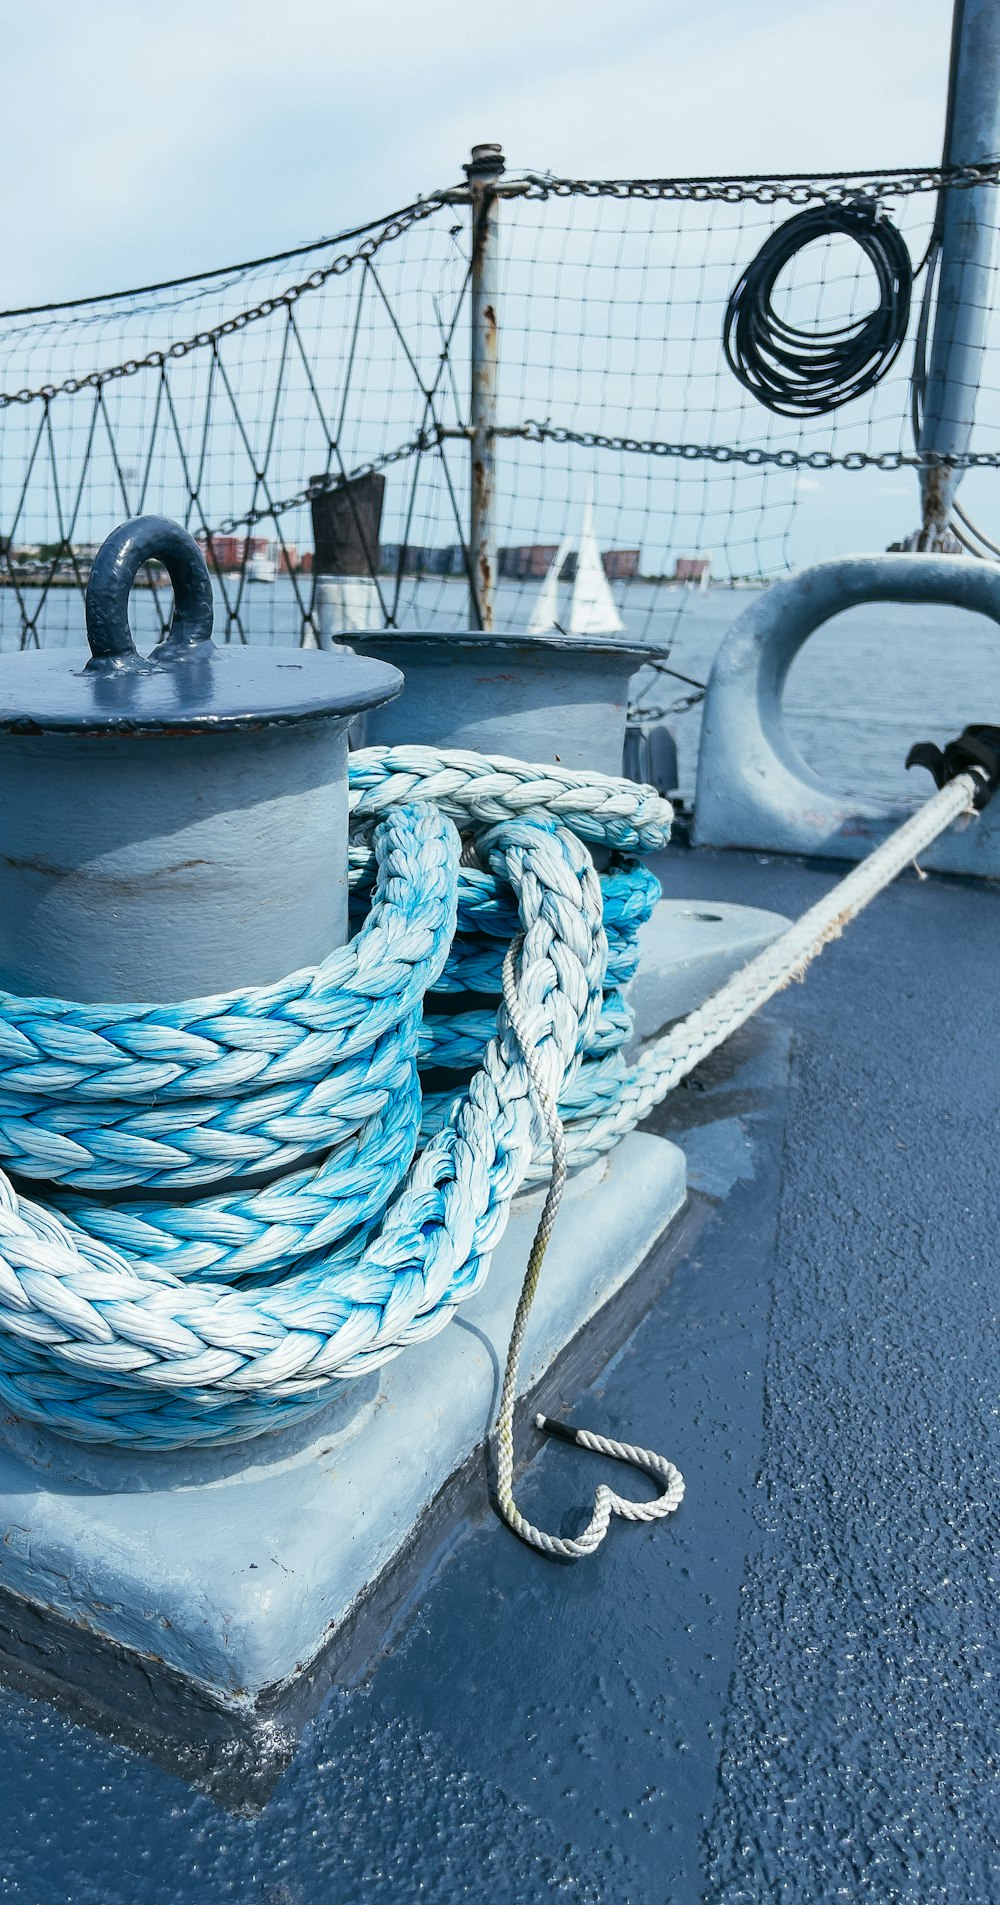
755 790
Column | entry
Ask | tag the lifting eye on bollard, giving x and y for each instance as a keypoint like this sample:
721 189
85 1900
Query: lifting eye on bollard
112 578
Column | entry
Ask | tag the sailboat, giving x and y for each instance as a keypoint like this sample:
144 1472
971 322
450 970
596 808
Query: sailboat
592 609
261 567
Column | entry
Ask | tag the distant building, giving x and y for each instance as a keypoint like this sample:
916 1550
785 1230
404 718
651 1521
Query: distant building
527 560
692 568
620 565
422 559
220 551
532 561
450 560
231 552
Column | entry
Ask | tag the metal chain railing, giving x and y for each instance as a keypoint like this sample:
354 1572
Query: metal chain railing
833 188
533 432
839 188
601 335
753 457
391 229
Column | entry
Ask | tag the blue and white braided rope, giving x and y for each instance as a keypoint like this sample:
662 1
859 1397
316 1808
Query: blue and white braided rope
170 1319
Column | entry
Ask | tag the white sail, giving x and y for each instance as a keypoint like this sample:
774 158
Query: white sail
546 610
593 611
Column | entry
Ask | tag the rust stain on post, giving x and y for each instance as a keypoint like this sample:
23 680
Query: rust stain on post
937 484
483 171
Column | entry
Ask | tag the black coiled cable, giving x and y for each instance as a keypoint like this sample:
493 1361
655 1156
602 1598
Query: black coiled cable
807 373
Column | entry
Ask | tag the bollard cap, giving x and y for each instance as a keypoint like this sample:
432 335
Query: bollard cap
187 684
551 640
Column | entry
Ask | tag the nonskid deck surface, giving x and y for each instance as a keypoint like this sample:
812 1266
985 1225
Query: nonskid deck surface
782 1693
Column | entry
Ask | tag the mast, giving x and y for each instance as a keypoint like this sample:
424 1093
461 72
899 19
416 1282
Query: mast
965 225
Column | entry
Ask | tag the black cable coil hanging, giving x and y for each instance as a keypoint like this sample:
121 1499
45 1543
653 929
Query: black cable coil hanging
807 373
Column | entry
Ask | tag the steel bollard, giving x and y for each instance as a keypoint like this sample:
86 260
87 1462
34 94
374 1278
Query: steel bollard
172 825
555 698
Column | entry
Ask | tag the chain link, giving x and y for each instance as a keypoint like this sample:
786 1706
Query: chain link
532 432
204 340
835 189
425 440
832 188
754 457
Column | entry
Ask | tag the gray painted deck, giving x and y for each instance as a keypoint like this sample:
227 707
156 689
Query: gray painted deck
782 1694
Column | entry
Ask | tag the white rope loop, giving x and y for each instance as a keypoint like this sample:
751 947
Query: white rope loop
658 1069
481 790
606 1501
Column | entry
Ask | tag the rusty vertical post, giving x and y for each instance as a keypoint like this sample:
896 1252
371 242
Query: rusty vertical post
967 219
482 172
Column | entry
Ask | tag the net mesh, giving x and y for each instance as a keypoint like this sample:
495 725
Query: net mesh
224 401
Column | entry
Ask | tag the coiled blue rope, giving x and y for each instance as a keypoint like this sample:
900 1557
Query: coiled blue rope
169 1318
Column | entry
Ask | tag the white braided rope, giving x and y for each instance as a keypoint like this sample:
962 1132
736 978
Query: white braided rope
606 1501
670 1057
658 1069
482 790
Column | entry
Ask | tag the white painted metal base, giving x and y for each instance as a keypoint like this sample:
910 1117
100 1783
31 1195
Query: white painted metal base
687 950
234 1568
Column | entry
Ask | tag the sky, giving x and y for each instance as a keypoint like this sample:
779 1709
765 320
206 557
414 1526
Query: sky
142 141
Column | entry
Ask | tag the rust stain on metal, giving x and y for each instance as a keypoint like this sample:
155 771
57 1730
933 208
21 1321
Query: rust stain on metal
937 502
485 590
50 871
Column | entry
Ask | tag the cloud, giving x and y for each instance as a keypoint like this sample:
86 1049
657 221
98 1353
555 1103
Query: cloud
141 141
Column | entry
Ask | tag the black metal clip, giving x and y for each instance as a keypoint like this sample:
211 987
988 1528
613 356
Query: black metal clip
975 750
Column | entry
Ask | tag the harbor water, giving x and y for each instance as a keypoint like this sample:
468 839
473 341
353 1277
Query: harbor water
865 687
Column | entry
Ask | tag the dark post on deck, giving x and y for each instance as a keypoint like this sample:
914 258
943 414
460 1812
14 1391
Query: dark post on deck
967 222
347 520
483 171
347 523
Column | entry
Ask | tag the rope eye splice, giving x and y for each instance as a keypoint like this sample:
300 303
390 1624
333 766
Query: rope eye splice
606 1501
